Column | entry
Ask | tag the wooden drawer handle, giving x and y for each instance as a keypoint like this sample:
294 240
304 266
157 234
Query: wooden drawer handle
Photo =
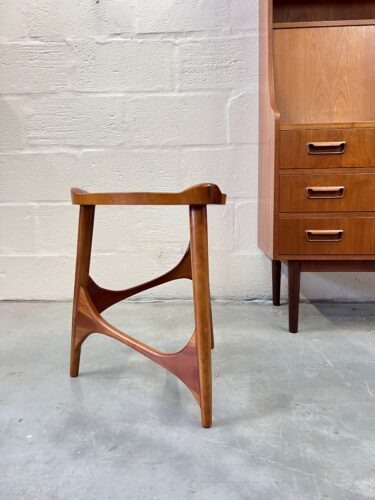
325 192
326 148
324 235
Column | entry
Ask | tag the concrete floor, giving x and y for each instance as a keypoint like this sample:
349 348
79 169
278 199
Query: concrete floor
294 415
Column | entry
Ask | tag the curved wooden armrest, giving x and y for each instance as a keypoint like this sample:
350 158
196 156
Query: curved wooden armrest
200 194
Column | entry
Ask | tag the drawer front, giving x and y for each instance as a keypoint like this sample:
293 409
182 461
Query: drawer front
327 236
322 148
327 192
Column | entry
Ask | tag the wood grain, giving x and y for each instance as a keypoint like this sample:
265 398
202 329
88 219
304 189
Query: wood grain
317 75
269 131
202 309
326 126
103 298
358 236
332 258
183 364
359 149
321 24
200 194
336 266
358 193
325 75
322 10
84 245
192 365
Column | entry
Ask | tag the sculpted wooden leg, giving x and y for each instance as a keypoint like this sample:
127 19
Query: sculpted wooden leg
202 310
183 364
294 279
211 324
276 280
103 298
192 365
84 243
90 299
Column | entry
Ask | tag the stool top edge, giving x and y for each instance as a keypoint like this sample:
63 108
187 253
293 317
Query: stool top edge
199 194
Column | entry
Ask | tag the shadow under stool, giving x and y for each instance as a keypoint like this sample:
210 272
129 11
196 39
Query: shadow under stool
192 365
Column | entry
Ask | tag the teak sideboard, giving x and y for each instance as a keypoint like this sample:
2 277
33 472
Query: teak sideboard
317 139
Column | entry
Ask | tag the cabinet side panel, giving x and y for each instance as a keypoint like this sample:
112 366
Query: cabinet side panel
268 126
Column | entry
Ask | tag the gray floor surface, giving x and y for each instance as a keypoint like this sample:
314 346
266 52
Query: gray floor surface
294 415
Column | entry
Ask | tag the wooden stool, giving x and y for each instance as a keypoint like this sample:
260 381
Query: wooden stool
192 365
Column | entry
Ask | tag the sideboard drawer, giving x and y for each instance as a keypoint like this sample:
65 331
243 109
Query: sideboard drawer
327 236
322 148
327 192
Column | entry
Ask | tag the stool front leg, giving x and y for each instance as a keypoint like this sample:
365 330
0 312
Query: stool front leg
84 244
202 307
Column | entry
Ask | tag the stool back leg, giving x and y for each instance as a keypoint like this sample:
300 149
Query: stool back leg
84 244
211 323
202 307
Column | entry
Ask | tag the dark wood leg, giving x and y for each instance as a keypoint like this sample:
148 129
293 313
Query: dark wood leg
294 280
85 230
276 281
202 309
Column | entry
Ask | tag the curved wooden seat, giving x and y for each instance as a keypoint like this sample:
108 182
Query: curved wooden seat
200 194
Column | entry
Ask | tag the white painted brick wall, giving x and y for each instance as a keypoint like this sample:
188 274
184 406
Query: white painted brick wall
176 120
135 95
79 120
11 123
123 65
13 23
78 19
217 63
34 67
176 16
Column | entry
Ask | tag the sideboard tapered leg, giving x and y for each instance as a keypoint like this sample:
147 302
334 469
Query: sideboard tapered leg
276 281
294 280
